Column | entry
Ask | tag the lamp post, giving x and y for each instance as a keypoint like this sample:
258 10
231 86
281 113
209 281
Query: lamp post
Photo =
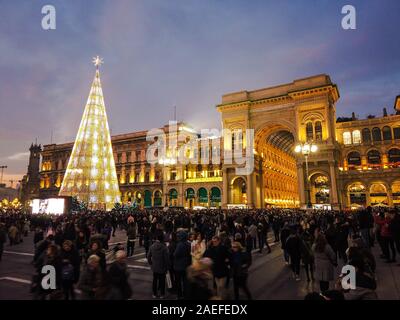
306 149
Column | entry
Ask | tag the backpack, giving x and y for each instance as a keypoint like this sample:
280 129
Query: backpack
67 272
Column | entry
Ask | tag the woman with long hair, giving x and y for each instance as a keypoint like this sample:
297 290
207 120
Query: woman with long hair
325 261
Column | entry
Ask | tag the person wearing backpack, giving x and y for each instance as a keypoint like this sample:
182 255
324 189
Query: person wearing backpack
70 269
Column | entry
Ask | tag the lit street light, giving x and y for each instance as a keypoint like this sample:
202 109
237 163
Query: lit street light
305 150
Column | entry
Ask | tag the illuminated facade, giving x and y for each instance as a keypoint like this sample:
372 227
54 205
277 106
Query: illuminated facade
90 174
351 167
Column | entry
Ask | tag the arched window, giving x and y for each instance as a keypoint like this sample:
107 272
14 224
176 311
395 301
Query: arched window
356 137
396 132
376 134
346 137
394 155
366 135
387 133
318 131
354 159
309 131
374 157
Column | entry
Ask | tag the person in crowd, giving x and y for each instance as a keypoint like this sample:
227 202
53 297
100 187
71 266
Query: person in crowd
240 264
131 234
221 258
13 235
325 262
51 257
198 248
96 249
38 236
182 260
118 274
394 228
307 256
199 276
387 238
158 259
252 231
93 281
70 270
285 233
293 248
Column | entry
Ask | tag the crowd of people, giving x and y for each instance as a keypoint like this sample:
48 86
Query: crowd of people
205 254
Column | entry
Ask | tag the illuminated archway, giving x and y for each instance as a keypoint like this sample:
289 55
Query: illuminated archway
239 195
320 188
378 194
357 195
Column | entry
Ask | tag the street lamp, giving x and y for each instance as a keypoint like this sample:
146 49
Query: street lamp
305 149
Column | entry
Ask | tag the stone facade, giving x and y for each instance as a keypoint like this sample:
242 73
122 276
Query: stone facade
349 169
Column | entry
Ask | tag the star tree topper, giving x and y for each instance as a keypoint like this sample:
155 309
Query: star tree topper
98 61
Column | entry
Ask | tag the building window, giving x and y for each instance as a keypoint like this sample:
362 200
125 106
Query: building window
396 132
309 131
119 158
387 133
356 137
354 159
394 155
347 137
366 135
138 155
374 157
376 134
318 131
128 156
147 177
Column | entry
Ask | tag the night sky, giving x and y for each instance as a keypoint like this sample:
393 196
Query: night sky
188 53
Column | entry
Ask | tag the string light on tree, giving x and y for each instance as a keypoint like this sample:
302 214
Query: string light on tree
87 178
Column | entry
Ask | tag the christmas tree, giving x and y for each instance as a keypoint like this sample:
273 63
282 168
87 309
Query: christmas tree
91 174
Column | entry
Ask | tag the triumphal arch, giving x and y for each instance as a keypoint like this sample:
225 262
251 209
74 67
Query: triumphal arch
283 117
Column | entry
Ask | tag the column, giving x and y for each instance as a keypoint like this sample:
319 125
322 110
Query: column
300 179
368 198
334 191
165 189
250 190
225 190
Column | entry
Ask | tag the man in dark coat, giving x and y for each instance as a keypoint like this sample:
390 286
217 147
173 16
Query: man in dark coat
221 257
182 260
158 259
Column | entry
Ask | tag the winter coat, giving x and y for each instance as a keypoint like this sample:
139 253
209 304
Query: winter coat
293 246
182 254
240 264
324 263
158 257
92 279
221 257
120 287
131 231
253 231
285 233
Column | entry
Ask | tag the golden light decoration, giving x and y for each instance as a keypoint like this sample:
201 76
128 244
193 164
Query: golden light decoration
91 174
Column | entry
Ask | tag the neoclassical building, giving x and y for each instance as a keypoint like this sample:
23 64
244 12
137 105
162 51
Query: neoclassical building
357 162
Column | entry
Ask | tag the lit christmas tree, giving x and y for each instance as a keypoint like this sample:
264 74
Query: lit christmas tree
91 174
